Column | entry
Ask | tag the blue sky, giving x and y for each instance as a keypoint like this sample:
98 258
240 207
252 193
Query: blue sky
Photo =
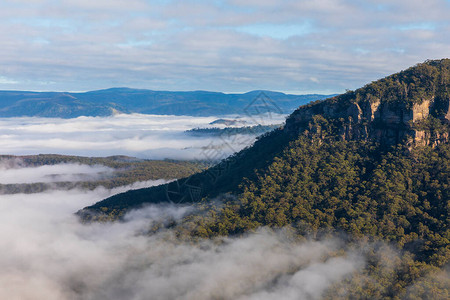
295 46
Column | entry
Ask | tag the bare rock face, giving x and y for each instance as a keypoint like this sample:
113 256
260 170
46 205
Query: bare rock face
391 111
421 111
427 138
371 110
355 112
386 123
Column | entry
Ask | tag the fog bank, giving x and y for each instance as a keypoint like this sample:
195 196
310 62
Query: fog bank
143 136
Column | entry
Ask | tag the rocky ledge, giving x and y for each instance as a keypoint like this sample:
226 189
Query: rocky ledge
412 106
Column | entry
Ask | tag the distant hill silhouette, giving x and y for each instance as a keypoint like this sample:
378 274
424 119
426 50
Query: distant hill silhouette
126 100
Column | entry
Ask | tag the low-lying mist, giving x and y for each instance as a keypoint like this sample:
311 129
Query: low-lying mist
52 173
143 136
47 254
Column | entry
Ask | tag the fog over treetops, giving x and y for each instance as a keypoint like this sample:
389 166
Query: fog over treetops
48 254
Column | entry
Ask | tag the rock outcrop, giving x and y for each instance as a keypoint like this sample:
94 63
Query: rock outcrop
399 108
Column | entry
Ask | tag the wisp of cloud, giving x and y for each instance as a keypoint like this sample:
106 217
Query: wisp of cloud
53 173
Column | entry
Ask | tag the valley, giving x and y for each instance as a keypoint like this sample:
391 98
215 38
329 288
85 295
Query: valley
351 191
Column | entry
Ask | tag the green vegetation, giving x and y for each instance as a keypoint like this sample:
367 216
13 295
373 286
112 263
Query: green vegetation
423 81
398 196
327 187
212 182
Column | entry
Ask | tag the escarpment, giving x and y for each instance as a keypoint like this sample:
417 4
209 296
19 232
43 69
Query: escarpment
411 107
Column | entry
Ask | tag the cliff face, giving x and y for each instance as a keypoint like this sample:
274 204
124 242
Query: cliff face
412 106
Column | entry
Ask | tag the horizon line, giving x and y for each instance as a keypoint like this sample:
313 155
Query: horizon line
296 93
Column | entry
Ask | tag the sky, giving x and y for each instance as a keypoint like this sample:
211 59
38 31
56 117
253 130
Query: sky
294 46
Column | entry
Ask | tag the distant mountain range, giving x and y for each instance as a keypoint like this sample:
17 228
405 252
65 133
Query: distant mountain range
125 100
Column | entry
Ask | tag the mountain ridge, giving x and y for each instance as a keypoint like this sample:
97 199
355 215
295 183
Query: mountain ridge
107 102
374 113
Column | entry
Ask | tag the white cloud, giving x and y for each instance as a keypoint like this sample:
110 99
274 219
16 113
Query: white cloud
4 80
52 173
188 45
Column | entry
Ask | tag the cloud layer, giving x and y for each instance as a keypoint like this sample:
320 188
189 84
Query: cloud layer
225 45
144 136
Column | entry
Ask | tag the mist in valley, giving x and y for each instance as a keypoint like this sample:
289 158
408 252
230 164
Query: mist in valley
48 254
143 136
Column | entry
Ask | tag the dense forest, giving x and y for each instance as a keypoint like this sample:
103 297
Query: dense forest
398 196
316 182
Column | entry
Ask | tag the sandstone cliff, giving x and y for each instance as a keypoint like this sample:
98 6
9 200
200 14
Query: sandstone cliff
412 106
